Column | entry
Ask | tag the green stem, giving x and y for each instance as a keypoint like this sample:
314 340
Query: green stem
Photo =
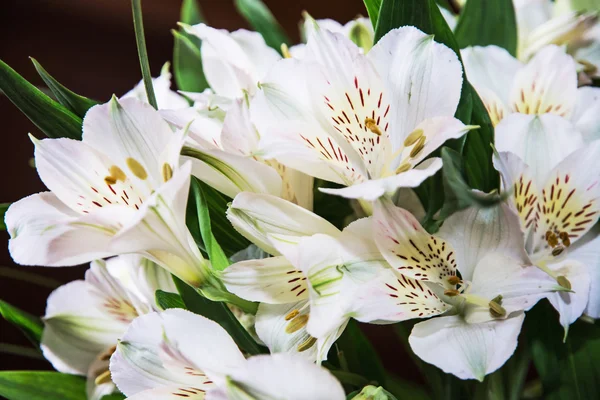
17 350
12 273
350 378
138 25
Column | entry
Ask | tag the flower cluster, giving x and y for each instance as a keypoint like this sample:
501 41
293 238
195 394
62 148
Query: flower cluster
362 116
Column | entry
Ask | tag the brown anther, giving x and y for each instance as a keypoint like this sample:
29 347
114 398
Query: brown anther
451 292
108 353
564 282
117 173
413 137
110 180
557 251
498 299
371 125
496 310
403 168
291 315
418 147
454 280
307 344
552 239
564 238
296 324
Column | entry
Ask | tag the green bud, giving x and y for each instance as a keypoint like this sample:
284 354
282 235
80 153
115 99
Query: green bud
374 393
361 36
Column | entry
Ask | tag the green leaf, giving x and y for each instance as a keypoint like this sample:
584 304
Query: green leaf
262 20
359 355
79 105
41 385
583 5
30 325
3 208
187 60
116 396
458 194
222 230
571 370
166 300
484 23
52 118
220 313
373 7
140 39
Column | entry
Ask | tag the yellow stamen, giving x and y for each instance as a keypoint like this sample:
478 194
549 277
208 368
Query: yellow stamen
564 237
296 324
413 137
103 378
588 67
107 354
551 239
453 280
451 292
291 314
557 251
403 168
137 168
117 173
418 147
167 172
285 50
496 310
371 125
110 180
307 344
564 282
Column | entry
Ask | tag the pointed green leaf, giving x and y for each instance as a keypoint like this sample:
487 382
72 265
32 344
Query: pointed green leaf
140 39
220 313
41 385
117 396
373 7
484 23
79 105
3 208
166 300
30 325
52 118
262 20
187 60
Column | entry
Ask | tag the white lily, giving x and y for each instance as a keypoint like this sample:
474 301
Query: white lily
363 121
526 101
483 306
557 210
159 359
118 191
543 22
85 318
165 97
307 294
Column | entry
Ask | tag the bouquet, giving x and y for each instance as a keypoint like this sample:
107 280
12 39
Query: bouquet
433 168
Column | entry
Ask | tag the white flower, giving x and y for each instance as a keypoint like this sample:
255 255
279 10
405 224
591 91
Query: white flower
165 97
483 306
557 209
526 101
120 190
158 359
364 121
84 319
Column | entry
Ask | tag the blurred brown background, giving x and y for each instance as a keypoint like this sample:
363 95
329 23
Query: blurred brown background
89 46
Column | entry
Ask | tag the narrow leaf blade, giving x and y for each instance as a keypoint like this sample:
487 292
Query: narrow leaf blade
167 300
30 325
262 20
41 385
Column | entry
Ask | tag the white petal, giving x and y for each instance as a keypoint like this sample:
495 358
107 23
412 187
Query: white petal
287 376
409 248
262 57
231 173
424 79
491 68
375 188
408 199
547 84
540 141
239 136
257 215
139 364
570 305
586 114
269 280
130 129
585 251
392 298
79 326
468 351
203 126
165 97
176 392
476 232
45 232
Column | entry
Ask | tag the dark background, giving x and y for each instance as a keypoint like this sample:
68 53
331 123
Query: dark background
89 46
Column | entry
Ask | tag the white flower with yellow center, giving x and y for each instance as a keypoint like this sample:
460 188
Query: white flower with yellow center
158 359
474 271
366 121
557 210
118 191
85 318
